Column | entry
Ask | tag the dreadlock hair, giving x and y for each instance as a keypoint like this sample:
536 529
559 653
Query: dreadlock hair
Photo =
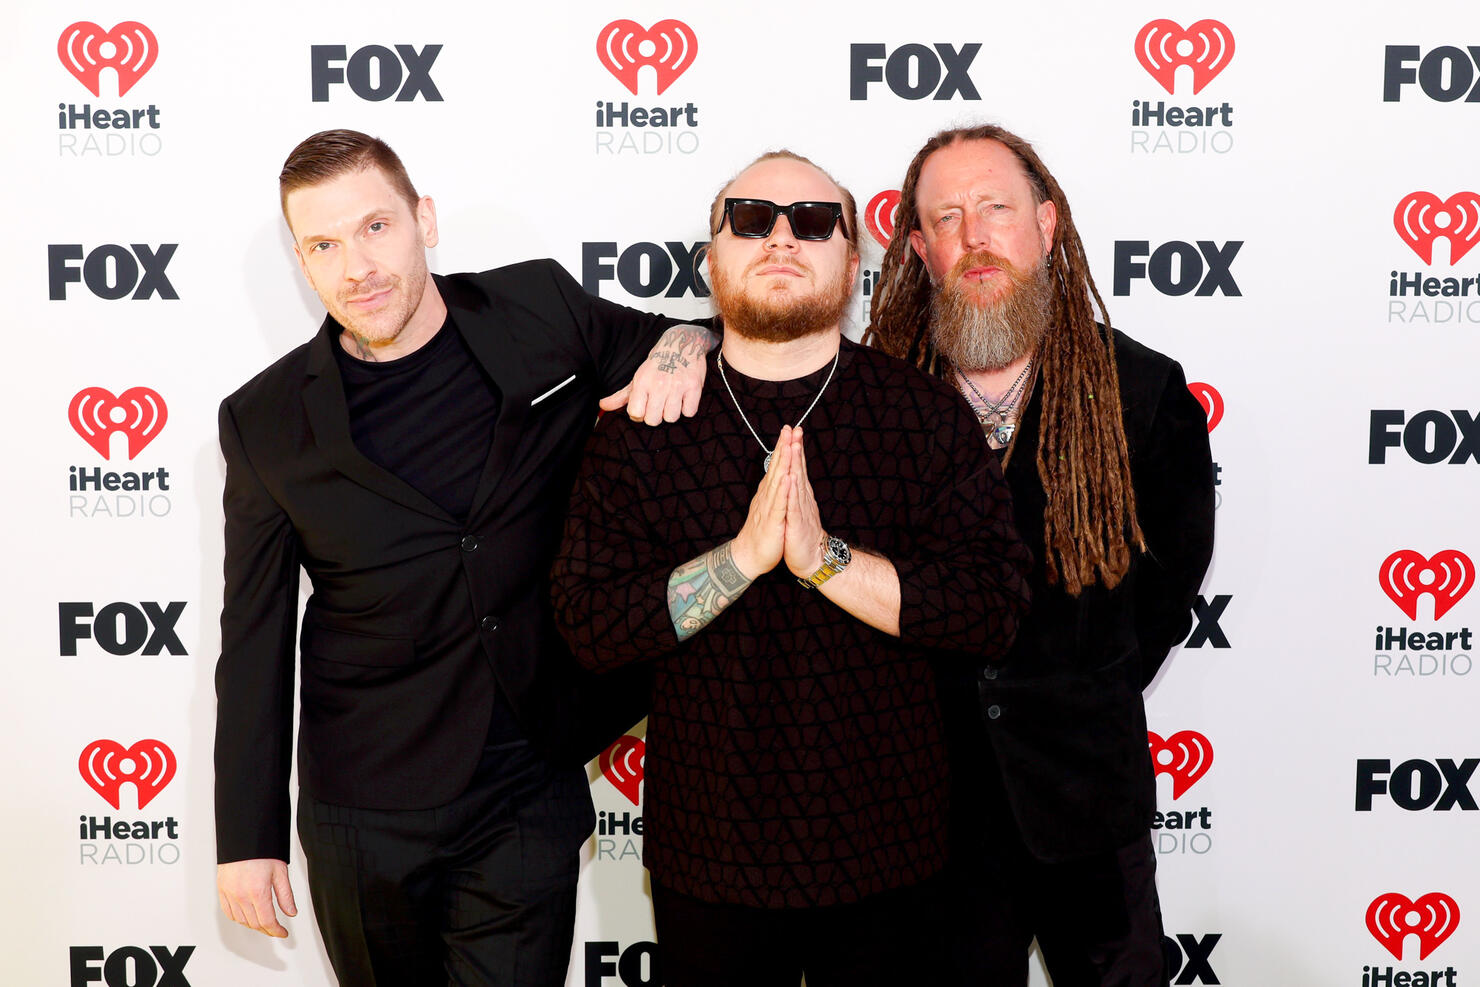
1083 462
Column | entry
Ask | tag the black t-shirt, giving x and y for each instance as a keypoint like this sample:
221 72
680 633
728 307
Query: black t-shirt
427 417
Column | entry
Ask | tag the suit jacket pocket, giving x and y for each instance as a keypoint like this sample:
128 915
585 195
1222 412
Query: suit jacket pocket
351 648
1074 760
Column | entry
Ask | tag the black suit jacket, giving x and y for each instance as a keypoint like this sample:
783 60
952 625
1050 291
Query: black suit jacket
415 618
1062 720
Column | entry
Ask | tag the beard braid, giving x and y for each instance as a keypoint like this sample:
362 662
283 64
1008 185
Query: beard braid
990 334
779 317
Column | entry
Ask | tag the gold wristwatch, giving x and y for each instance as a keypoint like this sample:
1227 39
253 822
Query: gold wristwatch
835 558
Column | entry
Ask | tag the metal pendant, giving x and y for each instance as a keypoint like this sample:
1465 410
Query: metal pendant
767 468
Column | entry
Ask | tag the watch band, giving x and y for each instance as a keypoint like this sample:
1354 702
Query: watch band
835 558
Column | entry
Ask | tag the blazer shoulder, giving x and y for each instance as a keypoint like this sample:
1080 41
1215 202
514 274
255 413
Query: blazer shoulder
1141 369
517 282
265 392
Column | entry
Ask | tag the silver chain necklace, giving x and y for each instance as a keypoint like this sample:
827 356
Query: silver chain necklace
720 362
996 417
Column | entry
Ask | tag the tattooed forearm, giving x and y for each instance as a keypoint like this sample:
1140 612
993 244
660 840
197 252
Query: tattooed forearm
681 345
701 588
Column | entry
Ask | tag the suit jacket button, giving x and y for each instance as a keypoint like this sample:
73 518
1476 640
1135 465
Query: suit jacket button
994 711
989 673
470 543
489 623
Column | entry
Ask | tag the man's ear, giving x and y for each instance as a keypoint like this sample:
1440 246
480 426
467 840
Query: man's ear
426 220
1048 221
917 240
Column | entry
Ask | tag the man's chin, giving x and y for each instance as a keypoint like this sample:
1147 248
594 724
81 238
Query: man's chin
371 330
984 294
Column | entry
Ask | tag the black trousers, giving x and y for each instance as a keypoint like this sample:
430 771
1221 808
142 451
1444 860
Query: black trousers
1097 920
478 891
887 940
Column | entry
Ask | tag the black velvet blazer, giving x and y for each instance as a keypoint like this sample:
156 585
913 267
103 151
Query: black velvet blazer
1063 719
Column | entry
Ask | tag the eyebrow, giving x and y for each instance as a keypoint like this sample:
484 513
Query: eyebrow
318 237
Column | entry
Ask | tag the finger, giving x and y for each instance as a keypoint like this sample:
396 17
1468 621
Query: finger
283 888
637 402
691 401
783 449
264 917
653 411
614 401
673 407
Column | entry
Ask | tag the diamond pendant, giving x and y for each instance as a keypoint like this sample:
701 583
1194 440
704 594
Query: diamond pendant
767 467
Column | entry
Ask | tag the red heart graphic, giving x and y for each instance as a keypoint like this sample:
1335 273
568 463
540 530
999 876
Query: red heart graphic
1401 578
622 763
1189 756
102 767
673 44
1415 220
138 412
1207 395
132 50
879 215
1391 918
1209 48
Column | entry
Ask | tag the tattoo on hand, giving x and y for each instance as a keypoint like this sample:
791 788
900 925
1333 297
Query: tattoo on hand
669 360
700 589
680 345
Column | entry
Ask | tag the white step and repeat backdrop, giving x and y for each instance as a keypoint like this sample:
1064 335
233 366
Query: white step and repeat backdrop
1282 196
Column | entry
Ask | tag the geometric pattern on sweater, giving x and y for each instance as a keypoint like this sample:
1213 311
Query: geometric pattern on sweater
795 755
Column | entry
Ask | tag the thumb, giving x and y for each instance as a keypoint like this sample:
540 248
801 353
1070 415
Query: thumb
283 888
614 401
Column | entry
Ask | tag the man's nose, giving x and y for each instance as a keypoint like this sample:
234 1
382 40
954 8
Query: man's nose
781 236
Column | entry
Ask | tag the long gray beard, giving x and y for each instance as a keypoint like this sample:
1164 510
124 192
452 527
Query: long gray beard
991 336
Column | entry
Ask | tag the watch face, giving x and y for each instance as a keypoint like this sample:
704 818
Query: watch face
839 548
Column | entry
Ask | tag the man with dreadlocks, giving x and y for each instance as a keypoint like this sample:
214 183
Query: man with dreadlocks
1106 452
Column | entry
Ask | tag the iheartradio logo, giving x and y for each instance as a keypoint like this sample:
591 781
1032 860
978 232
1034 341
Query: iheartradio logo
879 215
86 49
1446 576
1162 46
1207 395
668 46
138 412
105 765
1421 218
1392 918
1186 756
622 763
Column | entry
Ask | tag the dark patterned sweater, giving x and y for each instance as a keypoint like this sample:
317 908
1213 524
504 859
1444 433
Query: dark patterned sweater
795 755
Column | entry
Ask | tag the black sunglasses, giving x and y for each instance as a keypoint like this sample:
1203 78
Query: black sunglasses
757 217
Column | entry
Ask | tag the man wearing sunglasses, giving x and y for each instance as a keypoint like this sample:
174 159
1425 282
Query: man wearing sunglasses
986 284
415 458
792 559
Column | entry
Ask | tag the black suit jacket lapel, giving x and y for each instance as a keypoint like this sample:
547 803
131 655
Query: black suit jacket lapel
328 416
484 326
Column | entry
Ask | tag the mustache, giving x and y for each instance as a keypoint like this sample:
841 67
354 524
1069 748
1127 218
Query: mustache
795 265
370 287
981 258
